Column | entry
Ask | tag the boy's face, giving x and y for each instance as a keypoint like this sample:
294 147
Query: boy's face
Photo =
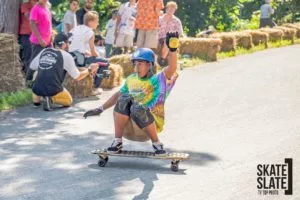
43 1
74 5
93 24
141 68
89 4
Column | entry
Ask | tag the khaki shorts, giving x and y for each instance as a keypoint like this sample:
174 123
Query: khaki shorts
147 38
124 40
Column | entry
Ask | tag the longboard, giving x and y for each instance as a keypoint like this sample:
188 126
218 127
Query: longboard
174 157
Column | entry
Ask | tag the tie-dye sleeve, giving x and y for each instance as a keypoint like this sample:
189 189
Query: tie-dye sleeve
124 88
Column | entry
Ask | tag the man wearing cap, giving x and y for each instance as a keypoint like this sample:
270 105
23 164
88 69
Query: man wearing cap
142 97
52 65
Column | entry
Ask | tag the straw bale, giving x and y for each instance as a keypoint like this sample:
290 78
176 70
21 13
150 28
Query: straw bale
115 78
228 41
243 39
259 37
11 77
294 26
124 61
288 33
274 34
79 89
206 48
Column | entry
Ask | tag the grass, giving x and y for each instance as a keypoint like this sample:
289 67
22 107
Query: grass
260 47
14 99
190 62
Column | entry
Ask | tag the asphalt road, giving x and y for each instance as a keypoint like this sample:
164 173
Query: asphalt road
229 116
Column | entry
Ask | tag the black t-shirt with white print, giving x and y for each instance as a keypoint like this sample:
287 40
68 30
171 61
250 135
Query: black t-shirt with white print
52 65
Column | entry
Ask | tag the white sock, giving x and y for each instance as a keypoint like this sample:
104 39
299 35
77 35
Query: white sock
158 143
118 140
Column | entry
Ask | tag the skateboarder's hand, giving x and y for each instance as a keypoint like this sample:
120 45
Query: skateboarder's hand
172 41
93 112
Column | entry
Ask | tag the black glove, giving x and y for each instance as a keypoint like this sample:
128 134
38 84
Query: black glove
172 41
93 112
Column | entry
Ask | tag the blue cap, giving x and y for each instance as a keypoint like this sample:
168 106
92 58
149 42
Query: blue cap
144 54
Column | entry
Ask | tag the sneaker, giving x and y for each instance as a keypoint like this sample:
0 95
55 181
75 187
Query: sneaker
116 147
158 148
47 104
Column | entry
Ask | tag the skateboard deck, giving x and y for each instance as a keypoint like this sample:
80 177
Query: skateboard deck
174 157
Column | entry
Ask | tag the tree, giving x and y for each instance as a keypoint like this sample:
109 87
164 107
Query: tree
9 16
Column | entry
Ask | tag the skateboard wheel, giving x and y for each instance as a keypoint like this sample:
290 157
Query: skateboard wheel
102 162
174 166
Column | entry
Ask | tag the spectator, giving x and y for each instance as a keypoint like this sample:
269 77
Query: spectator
265 15
83 37
110 34
51 64
146 22
69 20
83 40
89 4
99 44
168 23
41 26
24 33
125 25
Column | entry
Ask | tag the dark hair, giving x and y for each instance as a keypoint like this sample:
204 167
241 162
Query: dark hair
98 38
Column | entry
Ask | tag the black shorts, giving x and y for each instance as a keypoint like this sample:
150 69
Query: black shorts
137 112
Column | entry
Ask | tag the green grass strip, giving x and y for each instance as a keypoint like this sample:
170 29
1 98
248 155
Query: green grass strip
9 100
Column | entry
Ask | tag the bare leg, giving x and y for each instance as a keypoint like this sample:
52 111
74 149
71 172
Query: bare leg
152 132
35 98
120 123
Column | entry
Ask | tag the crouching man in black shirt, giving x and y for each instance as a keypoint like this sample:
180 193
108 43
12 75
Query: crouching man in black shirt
52 65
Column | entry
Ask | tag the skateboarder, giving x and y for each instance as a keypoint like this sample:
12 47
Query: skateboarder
143 95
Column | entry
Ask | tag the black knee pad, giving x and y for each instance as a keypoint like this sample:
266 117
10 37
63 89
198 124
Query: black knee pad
141 115
123 104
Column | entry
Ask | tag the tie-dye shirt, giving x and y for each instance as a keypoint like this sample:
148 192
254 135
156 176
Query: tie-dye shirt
151 92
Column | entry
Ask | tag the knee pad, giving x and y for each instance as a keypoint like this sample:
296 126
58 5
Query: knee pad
140 112
124 101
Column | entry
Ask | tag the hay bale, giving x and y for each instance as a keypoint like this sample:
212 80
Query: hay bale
124 61
79 89
288 33
243 39
259 37
206 48
228 41
115 78
11 77
294 26
274 34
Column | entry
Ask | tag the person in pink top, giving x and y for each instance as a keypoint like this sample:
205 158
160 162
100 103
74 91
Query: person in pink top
41 26
168 23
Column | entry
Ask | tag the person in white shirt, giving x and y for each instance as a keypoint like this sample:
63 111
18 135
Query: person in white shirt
83 36
70 20
83 41
125 25
110 34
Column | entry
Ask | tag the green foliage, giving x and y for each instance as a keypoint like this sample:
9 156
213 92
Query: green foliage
253 23
14 99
